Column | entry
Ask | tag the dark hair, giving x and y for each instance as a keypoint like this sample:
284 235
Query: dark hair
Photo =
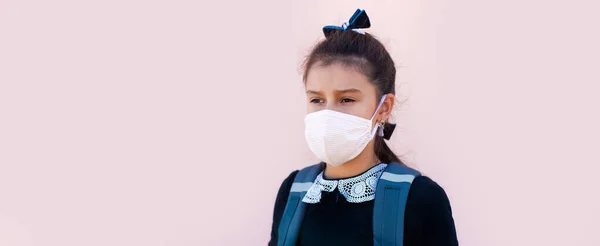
365 53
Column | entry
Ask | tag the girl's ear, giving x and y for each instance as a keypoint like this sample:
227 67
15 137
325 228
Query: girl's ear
386 107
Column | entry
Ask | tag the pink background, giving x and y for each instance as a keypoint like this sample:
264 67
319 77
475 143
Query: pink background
174 122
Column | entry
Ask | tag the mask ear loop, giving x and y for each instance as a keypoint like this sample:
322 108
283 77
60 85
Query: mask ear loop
380 126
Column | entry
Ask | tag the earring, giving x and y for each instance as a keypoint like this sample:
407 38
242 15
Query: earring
381 126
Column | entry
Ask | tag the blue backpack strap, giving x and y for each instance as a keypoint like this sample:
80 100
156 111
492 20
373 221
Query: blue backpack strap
289 227
390 204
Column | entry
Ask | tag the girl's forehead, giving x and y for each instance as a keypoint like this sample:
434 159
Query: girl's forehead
336 77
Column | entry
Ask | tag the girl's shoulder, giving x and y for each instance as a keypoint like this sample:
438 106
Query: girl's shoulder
426 191
427 199
284 189
424 186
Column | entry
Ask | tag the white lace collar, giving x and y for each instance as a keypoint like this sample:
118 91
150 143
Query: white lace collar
356 189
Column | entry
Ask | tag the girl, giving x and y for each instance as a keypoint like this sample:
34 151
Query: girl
361 193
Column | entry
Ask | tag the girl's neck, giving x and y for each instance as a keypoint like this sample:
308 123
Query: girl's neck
356 166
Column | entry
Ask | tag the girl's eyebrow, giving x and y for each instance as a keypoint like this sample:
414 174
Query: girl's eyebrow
337 91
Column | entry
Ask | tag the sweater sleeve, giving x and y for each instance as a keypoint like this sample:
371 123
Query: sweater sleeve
280 202
429 214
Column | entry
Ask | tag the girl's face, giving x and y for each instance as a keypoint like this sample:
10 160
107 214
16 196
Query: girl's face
344 89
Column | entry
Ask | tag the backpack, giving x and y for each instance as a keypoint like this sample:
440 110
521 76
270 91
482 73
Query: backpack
388 211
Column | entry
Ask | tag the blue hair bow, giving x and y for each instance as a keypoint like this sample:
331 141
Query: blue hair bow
358 20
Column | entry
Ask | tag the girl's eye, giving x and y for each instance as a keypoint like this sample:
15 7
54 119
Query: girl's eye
348 100
316 100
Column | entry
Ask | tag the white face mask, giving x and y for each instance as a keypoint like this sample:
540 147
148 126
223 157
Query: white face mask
335 137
